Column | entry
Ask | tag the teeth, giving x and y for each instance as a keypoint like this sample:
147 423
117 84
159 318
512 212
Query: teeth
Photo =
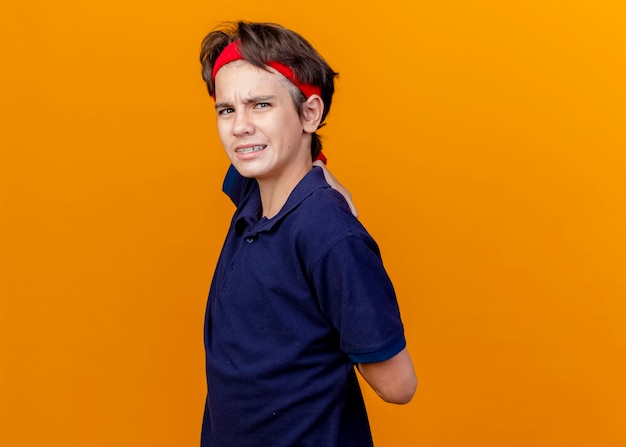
248 150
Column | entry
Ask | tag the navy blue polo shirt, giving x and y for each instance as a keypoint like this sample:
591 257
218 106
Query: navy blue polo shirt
295 302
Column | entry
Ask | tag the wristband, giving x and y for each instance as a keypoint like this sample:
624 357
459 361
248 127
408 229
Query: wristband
321 157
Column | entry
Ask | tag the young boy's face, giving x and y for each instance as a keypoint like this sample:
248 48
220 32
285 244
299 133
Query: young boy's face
258 123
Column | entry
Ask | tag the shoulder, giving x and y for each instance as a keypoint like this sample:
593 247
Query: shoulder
325 223
325 209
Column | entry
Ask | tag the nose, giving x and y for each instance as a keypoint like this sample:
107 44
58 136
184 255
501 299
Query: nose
242 124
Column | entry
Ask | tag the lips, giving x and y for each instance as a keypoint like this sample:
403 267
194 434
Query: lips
251 149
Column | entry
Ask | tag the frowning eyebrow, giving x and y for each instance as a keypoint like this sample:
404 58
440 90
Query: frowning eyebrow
251 100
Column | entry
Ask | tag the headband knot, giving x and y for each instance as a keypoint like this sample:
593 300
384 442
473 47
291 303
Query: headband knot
232 53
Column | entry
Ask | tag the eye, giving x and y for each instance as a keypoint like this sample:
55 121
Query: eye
225 111
262 105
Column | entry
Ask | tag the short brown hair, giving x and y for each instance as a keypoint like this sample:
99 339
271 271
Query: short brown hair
261 43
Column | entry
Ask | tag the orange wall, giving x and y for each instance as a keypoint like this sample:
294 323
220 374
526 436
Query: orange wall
484 143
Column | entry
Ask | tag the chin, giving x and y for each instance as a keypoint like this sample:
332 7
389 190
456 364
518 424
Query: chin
249 171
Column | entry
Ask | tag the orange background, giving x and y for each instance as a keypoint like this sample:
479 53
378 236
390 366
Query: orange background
484 143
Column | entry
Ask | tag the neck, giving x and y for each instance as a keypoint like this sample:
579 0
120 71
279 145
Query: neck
275 192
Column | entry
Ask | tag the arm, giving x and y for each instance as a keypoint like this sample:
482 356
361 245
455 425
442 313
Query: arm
393 380
334 183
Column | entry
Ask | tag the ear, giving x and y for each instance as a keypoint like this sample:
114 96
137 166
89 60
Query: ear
312 110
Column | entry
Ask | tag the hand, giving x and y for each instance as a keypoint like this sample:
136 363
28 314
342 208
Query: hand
334 183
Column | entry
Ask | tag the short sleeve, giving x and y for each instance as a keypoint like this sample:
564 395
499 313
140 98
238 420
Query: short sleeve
356 294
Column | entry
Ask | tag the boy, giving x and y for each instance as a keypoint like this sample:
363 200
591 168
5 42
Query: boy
299 295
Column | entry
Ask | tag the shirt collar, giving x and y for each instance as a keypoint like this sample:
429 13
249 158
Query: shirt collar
247 220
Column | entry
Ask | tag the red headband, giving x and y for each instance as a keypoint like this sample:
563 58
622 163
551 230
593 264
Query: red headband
231 53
